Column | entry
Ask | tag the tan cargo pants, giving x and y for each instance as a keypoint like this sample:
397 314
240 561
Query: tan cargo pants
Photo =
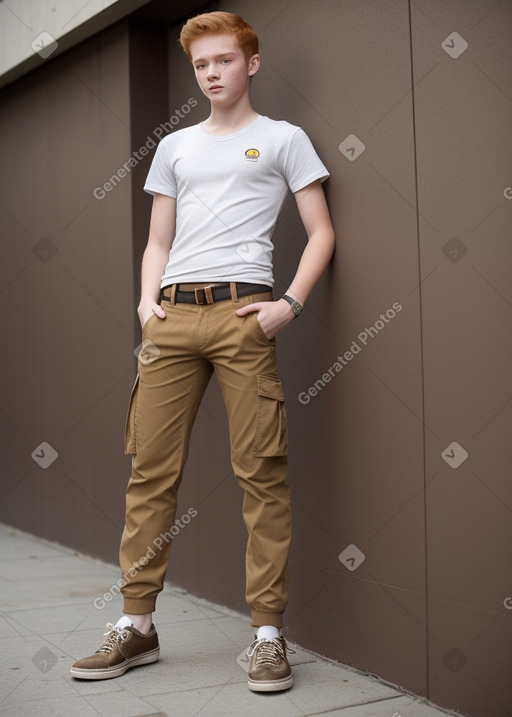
178 357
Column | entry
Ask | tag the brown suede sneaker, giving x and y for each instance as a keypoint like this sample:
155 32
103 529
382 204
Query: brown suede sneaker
269 670
124 647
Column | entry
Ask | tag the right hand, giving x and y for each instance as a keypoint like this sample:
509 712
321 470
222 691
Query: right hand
146 309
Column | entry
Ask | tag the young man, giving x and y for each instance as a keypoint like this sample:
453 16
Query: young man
207 305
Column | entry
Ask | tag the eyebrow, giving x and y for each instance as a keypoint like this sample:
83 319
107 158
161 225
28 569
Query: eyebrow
216 57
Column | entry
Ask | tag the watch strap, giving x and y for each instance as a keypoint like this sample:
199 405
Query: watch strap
296 306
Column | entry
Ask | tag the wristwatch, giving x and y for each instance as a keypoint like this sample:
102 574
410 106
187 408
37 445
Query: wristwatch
296 307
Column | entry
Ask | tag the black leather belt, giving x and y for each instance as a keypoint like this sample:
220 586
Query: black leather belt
212 294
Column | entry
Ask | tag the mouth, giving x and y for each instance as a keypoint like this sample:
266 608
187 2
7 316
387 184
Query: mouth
215 87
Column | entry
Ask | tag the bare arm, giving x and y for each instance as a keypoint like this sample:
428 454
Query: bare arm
161 234
313 210
320 247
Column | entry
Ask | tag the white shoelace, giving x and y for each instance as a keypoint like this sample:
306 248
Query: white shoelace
114 634
270 651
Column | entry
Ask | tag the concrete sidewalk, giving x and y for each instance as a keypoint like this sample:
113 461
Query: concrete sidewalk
48 620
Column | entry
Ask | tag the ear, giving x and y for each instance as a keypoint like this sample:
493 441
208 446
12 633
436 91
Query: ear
254 65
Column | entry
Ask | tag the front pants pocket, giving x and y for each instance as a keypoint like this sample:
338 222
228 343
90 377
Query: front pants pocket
130 443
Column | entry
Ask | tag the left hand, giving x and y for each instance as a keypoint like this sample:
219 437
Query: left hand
272 315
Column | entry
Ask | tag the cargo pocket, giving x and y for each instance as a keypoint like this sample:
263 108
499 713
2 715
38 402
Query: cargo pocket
271 423
130 443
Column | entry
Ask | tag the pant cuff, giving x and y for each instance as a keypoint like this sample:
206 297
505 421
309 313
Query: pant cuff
138 606
259 618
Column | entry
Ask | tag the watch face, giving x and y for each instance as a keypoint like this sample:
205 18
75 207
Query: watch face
294 305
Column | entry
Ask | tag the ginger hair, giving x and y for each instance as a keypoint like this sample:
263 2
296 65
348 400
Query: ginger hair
217 23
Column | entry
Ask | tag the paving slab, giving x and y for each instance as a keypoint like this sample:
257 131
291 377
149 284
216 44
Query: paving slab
49 619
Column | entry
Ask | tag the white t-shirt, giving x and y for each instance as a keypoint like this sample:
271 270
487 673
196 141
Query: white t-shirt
229 190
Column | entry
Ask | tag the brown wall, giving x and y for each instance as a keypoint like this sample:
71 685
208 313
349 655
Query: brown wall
427 607
66 295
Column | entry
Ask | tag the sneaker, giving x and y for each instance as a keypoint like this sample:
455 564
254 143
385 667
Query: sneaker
269 670
124 647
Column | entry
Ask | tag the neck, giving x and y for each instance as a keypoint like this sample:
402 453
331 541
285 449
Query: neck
226 120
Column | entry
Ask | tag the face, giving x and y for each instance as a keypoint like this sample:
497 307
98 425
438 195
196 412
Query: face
221 68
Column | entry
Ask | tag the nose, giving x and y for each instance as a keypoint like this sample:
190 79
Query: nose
213 72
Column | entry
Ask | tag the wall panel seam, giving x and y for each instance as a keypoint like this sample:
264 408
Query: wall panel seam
422 368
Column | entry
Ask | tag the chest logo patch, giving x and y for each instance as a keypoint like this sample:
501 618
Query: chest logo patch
252 154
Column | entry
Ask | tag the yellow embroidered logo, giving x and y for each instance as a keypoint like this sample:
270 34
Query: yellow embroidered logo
252 155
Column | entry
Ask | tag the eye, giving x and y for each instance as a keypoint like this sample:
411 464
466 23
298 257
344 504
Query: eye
226 60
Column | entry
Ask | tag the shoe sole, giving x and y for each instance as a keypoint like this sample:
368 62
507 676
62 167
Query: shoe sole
111 672
270 685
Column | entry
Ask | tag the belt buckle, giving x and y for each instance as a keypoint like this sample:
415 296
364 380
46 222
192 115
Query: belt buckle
204 295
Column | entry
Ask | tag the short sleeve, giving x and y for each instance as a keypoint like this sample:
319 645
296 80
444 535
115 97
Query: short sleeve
161 179
303 165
